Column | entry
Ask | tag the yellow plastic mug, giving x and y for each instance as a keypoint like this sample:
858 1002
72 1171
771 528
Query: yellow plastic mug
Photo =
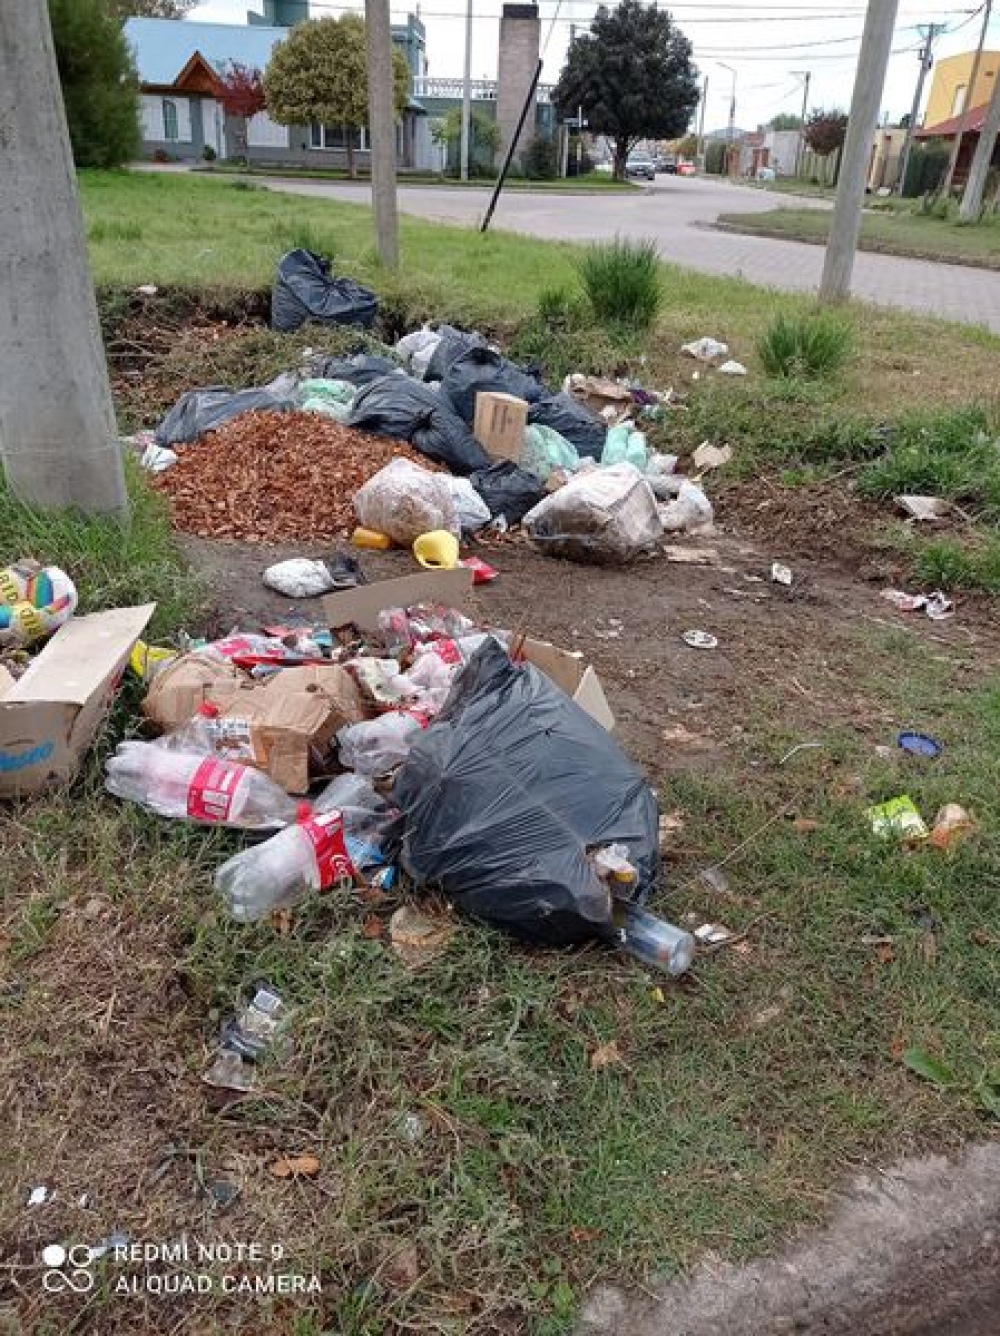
438 550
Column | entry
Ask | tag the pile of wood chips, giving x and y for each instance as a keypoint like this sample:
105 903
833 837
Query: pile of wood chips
275 478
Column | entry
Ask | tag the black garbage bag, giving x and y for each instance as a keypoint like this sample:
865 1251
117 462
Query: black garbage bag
569 418
508 490
199 411
304 290
481 369
507 791
408 410
361 369
454 342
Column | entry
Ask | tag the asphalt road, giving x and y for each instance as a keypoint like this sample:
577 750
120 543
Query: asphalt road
677 212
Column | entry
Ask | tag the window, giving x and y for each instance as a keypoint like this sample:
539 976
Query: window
959 102
171 129
335 136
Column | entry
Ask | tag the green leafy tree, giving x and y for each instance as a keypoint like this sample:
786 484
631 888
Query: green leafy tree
484 139
150 9
319 74
99 85
785 121
633 76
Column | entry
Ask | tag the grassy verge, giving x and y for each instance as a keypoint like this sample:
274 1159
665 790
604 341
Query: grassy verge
886 227
592 181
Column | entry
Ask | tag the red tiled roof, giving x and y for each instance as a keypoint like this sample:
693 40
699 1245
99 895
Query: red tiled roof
949 128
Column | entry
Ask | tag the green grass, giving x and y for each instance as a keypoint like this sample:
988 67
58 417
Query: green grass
622 282
897 228
809 347
590 182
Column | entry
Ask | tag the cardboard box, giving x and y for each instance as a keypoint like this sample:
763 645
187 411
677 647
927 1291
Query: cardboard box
500 423
50 716
360 607
606 399
291 717
177 690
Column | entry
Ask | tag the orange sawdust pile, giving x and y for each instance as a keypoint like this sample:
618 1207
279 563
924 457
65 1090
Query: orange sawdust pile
275 478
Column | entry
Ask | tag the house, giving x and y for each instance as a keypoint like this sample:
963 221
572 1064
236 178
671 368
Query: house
950 81
971 130
181 116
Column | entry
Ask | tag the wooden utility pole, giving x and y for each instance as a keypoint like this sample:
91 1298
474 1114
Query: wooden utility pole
699 153
382 128
466 136
58 437
926 61
800 148
972 199
845 225
963 115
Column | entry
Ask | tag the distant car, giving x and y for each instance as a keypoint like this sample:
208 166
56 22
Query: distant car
667 164
641 167
686 169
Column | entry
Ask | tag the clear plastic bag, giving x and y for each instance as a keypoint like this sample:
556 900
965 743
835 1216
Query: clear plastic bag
404 501
546 450
601 516
377 746
691 511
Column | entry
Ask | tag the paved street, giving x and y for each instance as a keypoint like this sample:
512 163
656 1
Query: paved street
675 213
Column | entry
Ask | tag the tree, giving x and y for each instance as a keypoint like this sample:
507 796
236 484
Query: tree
99 84
484 139
825 130
632 74
687 147
150 9
241 92
319 75
785 121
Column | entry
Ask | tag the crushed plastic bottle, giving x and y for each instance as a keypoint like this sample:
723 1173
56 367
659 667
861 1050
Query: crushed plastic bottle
195 787
370 821
309 855
653 940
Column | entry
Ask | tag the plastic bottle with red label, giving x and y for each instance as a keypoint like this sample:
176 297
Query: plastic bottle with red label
306 857
190 785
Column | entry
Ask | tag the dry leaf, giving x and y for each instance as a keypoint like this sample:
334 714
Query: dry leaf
295 1166
281 921
417 937
896 1049
804 824
884 953
578 1234
605 1055
372 928
683 737
401 1270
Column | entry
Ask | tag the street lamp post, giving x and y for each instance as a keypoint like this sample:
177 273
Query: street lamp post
732 117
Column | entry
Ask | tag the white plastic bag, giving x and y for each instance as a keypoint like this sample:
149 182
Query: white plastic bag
299 578
603 515
690 512
473 512
417 349
377 746
404 501
706 349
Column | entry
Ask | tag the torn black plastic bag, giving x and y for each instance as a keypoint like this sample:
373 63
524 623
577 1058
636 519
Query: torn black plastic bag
507 791
569 418
453 343
508 490
361 369
408 410
304 290
481 369
199 411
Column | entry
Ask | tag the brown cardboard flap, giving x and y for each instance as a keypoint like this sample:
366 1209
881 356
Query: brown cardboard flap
37 747
177 690
81 656
572 674
360 607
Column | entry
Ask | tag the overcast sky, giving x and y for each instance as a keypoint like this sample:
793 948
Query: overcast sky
766 43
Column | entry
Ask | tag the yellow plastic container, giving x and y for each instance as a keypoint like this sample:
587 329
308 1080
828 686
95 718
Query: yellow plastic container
371 538
437 550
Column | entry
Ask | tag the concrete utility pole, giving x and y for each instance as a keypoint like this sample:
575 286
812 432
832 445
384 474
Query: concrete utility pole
466 96
58 438
926 61
382 128
806 77
967 106
731 133
845 226
972 199
699 156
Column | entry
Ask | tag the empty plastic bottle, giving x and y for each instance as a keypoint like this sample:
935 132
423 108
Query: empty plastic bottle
197 787
369 820
653 940
305 857
196 736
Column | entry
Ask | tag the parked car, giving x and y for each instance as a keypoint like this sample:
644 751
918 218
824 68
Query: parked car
639 165
667 164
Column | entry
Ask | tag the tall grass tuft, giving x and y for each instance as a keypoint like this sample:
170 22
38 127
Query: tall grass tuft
622 281
807 347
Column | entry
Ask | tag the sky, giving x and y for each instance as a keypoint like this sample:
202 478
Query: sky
768 44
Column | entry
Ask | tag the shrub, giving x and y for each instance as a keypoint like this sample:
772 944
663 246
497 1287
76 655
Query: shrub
622 282
809 347
715 158
541 160
209 153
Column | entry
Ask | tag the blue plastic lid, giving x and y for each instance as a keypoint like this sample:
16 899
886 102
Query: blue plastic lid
919 744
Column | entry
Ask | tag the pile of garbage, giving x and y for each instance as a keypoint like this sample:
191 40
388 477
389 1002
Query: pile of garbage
571 465
406 742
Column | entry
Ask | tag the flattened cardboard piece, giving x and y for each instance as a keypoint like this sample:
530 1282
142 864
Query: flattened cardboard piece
177 690
500 423
50 716
361 606
572 674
